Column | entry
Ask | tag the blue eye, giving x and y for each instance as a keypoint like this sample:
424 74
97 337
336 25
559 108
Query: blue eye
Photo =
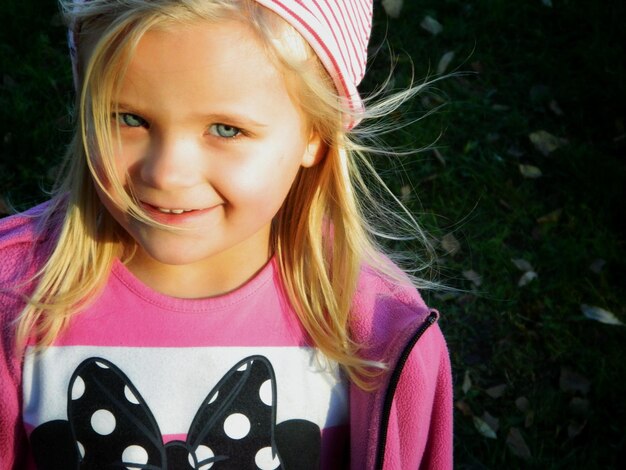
225 131
130 120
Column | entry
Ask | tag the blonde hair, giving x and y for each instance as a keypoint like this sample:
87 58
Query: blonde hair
333 198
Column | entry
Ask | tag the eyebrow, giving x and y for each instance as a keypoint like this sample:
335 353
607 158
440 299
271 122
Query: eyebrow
123 106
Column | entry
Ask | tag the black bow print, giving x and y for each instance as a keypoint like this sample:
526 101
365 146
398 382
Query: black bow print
112 426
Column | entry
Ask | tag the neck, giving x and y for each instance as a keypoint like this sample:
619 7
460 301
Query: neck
197 280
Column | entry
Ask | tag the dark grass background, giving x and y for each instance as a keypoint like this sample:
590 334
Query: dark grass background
537 384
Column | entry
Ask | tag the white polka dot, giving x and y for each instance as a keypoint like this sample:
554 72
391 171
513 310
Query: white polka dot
266 459
81 449
243 367
134 455
265 392
202 453
78 388
103 422
130 396
237 426
214 397
102 365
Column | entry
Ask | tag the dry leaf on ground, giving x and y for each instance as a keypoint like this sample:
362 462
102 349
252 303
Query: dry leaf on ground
483 428
393 7
496 391
467 382
599 314
517 445
473 277
450 244
522 264
431 25
550 217
597 265
530 171
505 204
555 108
463 407
440 158
522 404
405 192
444 62
545 142
575 428
573 382
579 406
492 421
529 273
526 278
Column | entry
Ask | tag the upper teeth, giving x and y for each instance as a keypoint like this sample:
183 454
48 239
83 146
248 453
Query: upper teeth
173 211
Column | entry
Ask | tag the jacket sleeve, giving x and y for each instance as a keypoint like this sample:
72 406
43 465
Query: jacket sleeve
420 424
16 267
12 435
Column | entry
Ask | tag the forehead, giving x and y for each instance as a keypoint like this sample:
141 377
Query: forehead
188 49
204 62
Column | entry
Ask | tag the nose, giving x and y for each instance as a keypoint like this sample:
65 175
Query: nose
173 161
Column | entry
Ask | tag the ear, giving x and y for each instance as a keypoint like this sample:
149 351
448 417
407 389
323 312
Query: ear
314 152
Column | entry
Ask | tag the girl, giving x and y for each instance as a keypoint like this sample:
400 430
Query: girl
202 291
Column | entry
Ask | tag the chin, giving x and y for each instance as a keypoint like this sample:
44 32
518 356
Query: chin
176 256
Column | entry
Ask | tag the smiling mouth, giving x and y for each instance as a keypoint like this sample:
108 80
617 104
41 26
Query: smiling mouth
165 210
156 210
173 211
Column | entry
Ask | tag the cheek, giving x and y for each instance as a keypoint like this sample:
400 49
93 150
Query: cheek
268 180
113 200
128 157
268 174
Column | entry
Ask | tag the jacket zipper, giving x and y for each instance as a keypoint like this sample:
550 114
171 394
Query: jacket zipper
393 384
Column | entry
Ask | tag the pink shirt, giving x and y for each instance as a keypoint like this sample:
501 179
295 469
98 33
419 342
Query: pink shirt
176 360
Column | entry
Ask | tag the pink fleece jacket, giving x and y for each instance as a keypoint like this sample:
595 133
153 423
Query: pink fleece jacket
404 424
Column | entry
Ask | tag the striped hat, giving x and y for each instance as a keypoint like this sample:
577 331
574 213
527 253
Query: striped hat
337 30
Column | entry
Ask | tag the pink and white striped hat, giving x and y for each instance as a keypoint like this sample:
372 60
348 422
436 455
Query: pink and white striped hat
337 30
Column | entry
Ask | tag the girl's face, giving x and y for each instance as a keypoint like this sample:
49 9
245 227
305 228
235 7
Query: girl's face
209 141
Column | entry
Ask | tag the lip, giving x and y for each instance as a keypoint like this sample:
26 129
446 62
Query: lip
175 219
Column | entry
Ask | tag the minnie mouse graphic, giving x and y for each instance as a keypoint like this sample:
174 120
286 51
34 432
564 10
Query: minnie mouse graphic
110 426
